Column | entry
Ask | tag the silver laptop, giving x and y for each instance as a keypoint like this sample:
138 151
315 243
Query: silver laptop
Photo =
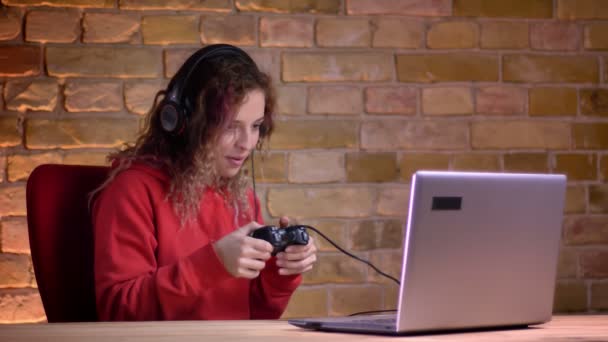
480 252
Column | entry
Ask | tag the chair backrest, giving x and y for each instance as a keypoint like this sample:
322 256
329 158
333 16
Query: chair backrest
61 238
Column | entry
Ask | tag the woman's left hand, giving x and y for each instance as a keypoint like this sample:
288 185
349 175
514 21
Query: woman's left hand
296 259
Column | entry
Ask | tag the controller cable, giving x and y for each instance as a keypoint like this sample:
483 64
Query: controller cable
323 235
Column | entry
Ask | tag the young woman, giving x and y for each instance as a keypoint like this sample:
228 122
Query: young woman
172 223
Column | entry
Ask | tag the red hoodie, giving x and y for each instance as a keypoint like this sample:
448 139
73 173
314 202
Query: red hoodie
148 268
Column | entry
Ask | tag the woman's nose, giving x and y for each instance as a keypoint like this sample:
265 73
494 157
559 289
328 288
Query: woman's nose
246 139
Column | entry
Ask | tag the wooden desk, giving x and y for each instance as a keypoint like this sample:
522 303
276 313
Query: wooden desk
561 328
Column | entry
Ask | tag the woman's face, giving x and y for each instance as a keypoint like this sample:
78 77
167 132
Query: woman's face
241 136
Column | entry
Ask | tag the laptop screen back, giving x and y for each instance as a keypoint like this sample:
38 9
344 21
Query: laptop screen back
480 250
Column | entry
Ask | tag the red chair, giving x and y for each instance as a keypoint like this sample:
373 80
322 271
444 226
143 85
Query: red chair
61 238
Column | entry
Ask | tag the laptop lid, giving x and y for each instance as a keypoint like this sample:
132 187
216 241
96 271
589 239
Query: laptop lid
480 250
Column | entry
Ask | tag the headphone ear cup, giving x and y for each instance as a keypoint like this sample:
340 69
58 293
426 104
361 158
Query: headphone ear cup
172 118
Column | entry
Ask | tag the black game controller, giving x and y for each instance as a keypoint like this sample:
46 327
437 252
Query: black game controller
280 238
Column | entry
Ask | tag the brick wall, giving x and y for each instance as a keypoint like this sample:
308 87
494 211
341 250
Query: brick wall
370 90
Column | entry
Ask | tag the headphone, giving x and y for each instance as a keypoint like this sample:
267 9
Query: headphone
176 107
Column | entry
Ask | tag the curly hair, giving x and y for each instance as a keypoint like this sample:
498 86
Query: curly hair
215 91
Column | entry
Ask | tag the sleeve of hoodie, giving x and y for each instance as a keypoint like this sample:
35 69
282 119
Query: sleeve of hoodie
270 292
129 284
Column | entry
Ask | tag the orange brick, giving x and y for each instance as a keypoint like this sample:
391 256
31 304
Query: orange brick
207 5
139 95
391 134
582 9
232 29
513 8
333 229
12 201
567 263
454 67
307 302
293 6
174 58
270 167
590 135
79 133
393 201
315 134
321 202
500 100
598 198
588 230
453 35
10 24
604 167
349 300
10 131
20 166
268 61
520 134
594 263
595 36
15 238
93 97
594 102
504 35
343 33
375 234
390 7
14 270
316 167
74 61
291 100
86 158
388 261
333 67
335 268
570 296
412 162
170 29
576 166
2 172
447 101
19 60
335 100
397 33
286 32
553 101
555 36
576 199
63 3
599 296
21 306
52 26
542 68
110 28
476 162
526 162
35 95
371 167
391 100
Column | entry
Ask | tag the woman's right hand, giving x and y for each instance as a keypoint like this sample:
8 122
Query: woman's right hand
242 255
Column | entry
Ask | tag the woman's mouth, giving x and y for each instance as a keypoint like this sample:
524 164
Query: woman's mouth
235 161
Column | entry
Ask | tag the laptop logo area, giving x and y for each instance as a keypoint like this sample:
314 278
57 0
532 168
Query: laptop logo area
446 203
